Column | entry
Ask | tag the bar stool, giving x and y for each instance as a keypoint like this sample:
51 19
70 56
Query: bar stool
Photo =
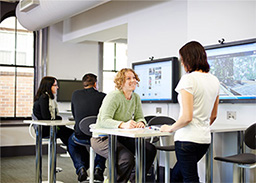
243 160
85 125
160 120
58 169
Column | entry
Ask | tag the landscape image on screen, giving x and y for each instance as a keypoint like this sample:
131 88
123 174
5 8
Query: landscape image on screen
235 67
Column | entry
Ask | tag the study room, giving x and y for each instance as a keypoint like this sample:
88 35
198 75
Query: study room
67 39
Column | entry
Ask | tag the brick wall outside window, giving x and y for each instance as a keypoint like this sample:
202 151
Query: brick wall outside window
24 98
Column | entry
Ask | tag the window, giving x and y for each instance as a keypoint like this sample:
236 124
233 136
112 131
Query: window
16 69
114 59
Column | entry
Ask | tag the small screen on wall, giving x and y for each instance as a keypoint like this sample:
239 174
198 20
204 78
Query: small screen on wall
66 88
158 79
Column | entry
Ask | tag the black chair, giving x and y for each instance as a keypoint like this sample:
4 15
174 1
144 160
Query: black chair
154 139
85 125
243 160
149 117
158 121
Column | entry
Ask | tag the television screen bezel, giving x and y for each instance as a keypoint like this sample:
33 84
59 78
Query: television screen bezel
175 77
66 80
230 44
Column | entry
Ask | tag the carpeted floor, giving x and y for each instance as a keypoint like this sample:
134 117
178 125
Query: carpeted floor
21 169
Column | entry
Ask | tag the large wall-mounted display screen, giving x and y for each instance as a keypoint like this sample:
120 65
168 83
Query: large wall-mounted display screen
234 64
158 78
66 88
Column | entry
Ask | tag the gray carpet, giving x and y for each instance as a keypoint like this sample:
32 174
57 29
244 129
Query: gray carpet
22 169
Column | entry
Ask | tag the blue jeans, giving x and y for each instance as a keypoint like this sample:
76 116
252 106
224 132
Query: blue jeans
80 155
187 154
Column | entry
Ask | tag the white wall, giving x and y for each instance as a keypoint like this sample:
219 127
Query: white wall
209 21
21 136
70 60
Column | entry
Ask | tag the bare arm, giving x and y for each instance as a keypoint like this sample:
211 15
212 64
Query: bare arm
214 110
186 116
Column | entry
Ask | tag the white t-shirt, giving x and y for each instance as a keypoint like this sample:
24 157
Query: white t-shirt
205 88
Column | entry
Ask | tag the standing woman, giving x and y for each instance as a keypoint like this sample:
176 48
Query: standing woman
45 108
122 109
198 96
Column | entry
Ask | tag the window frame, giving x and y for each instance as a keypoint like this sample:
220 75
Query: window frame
17 66
114 70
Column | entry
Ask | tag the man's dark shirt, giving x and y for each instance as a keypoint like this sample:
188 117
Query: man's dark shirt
85 102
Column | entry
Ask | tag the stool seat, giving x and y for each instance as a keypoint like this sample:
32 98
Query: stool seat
158 121
165 148
245 158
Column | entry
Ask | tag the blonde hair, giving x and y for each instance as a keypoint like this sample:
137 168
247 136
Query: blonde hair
120 77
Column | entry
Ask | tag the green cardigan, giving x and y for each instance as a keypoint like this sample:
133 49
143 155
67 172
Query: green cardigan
116 108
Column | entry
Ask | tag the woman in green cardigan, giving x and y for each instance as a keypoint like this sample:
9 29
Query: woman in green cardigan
122 109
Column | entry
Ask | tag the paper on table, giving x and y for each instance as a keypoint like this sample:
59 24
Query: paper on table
133 129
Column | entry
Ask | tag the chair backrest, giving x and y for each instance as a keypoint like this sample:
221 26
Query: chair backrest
33 125
160 120
33 117
250 136
44 136
147 118
85 123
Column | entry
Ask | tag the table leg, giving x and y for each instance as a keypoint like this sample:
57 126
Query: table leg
140 160
52 159
167 167
144 173
240 149
39 154
92 157
112 158
209 163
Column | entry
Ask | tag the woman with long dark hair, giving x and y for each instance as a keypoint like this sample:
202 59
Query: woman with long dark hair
45 107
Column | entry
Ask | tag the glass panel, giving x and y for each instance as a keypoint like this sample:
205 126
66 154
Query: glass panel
24 96
25 44
20 27
108 81
8 23
108 56
24 76
121 56
7 41
7 83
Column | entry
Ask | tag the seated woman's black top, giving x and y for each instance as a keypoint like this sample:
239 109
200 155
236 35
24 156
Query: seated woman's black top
41 111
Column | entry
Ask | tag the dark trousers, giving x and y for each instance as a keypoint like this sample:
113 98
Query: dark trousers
63 133
187 154
80 155
125 155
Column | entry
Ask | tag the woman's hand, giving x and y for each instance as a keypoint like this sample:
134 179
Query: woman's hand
128 125
166 128
140 125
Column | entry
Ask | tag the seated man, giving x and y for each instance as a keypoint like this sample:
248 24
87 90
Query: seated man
85 102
